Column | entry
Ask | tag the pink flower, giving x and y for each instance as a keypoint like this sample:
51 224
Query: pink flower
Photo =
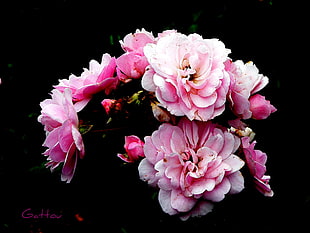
63 139
256 160
260 107
135 42
193 165
134 149
99 77
246 81
187 75
132 64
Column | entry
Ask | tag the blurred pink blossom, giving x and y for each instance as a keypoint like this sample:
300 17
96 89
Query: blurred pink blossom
63 139
134 149
187 74
193 164
256 160
111 105
107 104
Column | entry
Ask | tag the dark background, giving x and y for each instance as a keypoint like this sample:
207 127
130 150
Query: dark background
43 41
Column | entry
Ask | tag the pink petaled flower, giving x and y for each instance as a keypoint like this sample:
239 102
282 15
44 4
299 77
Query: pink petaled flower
134 149
135 42
246 81
193 165
260 107
256 160
63 139
187 74
132 64
99 77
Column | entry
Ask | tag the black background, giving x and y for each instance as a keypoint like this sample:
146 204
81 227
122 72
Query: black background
43 41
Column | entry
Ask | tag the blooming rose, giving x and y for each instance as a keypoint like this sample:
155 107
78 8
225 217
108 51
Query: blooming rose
256 160
193 165
132 64
63 139
246 81
187 74
134 149
99 77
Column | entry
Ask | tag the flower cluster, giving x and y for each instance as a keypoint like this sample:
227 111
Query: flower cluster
194 158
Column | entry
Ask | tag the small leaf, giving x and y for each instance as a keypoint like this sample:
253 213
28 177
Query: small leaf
85 128
111 39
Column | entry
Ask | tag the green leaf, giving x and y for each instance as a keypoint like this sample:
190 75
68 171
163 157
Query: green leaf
83 129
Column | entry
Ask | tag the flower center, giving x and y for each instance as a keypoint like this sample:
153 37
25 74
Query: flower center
187 155
185 64
187 71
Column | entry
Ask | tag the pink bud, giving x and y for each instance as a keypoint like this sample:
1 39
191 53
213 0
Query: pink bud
131 65
107 104
260 107
134 149
136 41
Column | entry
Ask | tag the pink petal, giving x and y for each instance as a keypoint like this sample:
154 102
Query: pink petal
180 202
51 138
55 112
164 198
147 172
218 193
216 142
147 80
168 92
69 165
177 141
150 150
237 182
125 158
201 208
229 145
78 140
65 136
263 186
235 163
56 154
109 70
203 102
201 185
78 106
